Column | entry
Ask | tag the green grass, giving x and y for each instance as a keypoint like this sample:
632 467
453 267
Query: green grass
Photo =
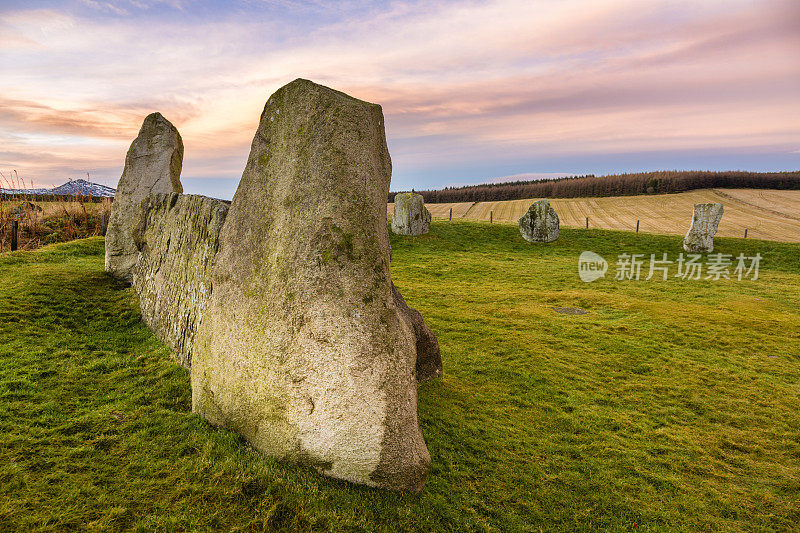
672 405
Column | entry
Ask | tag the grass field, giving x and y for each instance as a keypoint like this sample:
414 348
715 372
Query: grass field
672 405
767 214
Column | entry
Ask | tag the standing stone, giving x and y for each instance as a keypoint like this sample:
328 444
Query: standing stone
177 237
152 165
302 348
539 223
700 238
410 217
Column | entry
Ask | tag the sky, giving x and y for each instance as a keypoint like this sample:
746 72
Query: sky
472 91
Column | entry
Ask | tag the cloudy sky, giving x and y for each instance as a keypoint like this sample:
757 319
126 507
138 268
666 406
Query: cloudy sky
471 90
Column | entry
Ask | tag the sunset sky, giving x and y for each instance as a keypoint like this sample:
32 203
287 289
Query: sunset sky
472 90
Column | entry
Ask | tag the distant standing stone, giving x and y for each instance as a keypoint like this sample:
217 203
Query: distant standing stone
411 217
539 223
700 238
152 165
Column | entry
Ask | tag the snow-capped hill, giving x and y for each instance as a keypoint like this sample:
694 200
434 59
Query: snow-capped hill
71 188
83 188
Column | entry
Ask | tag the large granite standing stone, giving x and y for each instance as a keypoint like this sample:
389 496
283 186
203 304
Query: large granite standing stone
410 217
705 220
302 348
539 223
177 237
152 165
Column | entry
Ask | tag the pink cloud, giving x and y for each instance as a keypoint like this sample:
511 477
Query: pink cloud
457 81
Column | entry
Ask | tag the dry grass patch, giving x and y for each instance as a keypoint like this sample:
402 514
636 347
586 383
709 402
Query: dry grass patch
45 222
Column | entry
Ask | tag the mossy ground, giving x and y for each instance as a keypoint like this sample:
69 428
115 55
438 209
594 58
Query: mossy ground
672 405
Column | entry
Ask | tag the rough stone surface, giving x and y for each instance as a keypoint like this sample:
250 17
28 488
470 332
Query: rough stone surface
410 217
302 348
705 220
429 359
177 237
539 223
152 165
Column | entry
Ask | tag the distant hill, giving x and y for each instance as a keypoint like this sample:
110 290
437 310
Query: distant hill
665 182
71 188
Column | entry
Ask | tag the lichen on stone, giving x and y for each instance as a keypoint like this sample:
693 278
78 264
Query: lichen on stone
705 221
177 237
539 223
410 217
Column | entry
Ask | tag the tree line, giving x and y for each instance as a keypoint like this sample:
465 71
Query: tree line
662 182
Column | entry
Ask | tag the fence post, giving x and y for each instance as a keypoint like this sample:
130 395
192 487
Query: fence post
637 226
745 233
491 216
14 230
451 213
103 223
587 222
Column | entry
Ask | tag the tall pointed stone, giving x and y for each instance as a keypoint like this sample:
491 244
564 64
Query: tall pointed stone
302 348
152 165
705 220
